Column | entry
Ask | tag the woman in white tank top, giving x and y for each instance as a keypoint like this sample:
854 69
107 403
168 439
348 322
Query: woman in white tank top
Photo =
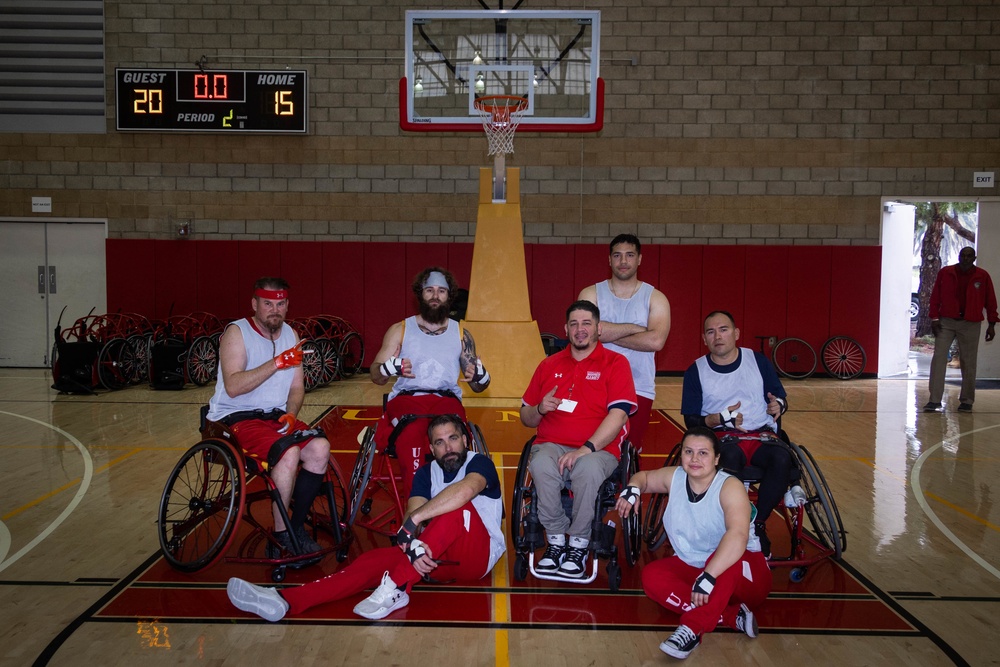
717 569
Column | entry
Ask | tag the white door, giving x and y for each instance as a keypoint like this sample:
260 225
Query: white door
45 266
897 270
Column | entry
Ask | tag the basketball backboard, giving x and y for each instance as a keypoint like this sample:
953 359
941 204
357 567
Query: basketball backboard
551 58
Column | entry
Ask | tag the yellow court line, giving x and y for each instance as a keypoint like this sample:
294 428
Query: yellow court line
961 511
501 601
68 485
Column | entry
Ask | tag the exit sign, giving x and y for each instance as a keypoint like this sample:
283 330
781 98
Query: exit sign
982 179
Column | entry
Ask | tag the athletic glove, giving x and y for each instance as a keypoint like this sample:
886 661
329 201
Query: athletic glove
728 418
288 419
704 583
391 366
415 550
631 494
406 534
481 376
289 358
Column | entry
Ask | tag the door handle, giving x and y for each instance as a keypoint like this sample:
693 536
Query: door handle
52 280
41 280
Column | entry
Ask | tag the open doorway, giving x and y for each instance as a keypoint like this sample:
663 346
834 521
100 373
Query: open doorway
918 238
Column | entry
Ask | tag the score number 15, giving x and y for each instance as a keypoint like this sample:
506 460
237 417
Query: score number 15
283 103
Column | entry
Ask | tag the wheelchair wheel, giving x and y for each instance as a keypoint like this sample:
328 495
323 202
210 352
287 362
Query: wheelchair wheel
477 442
631 531
140 348
201 505
652 525
351 354
329 363
115 364
362 473
312 365
843 357
525 529
202 361
330 508
820 507
794 358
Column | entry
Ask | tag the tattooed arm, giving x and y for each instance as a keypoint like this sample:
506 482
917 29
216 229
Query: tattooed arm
471 365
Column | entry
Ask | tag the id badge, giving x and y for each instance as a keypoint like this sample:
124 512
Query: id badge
567 405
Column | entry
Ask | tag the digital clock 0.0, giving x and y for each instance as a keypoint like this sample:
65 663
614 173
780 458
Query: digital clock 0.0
172 100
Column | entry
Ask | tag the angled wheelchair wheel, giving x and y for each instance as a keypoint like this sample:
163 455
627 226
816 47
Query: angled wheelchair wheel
525 529
477 442
351 354
843 357
329 365
312 365
202 361
653 533
201 505
820 507
794 358
362 473
115 364
631 526
329 511
140 348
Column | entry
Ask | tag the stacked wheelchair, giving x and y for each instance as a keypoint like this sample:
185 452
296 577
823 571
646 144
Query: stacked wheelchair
212 493
827 539
528 536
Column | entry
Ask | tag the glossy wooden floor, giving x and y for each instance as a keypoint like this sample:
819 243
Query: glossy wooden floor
80 582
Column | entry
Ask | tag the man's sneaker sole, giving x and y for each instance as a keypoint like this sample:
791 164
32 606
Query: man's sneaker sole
382 612
247 597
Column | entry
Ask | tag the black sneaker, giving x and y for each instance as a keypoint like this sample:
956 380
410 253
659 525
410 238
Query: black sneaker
746 622
574 565
551 559
965 407
765 541
307 544
274 552
932 407
681 643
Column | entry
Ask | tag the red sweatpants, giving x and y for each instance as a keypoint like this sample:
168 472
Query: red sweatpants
668 582
412 444
458 536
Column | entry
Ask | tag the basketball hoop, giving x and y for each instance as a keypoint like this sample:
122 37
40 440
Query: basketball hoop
501 114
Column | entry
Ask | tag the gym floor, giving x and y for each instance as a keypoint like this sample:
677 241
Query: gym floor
83 583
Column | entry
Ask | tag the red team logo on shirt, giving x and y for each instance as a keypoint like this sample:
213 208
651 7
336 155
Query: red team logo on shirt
593 375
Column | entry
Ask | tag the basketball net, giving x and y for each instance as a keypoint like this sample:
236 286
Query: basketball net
501 114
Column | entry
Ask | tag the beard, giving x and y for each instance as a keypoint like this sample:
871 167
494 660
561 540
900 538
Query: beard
435 314
453 462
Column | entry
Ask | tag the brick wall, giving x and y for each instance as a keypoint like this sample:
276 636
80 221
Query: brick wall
739 123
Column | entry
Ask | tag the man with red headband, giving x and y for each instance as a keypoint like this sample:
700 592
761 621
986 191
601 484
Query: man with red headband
258 393
427 353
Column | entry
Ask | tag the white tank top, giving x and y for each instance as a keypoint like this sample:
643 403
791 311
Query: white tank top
696 529
435 358
273 393
490 510
745 384
634 310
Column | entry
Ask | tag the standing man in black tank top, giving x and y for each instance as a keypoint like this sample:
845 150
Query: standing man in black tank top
635 317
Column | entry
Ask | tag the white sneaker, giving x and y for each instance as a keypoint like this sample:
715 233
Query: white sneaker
746 622
385 600
265 602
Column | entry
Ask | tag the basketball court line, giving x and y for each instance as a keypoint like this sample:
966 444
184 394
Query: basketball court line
919 494
88 473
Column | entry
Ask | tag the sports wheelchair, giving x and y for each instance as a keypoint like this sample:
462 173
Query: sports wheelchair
208 496
527 534
375 489
827 538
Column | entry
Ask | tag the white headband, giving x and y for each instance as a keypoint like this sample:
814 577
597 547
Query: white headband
436 279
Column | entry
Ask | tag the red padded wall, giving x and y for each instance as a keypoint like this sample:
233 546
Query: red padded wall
256 260
129 271
590 266
302 267
176 278
552 287
765 295
855 279
723 273
808 313
345 266
219 289
680 281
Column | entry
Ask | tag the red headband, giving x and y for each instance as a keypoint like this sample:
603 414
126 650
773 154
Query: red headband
272 294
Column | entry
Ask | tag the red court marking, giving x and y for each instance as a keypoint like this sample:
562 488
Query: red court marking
828 599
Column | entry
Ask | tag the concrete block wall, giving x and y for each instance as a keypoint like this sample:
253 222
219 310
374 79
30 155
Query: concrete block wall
740 122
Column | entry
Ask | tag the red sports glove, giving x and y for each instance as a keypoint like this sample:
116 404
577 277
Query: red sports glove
289 358
288 419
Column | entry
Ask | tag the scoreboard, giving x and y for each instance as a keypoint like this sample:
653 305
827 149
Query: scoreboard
178 100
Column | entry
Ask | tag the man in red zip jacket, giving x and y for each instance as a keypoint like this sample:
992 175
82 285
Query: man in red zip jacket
961 292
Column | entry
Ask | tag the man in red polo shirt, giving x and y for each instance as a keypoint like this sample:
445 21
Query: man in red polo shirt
579 400
961 292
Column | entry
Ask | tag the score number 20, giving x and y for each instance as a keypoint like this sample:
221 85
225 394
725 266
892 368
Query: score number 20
150 100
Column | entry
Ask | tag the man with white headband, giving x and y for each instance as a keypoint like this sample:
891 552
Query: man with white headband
737 389
258 393
426 353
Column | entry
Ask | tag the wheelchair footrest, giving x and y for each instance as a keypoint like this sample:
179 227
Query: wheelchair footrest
555 577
